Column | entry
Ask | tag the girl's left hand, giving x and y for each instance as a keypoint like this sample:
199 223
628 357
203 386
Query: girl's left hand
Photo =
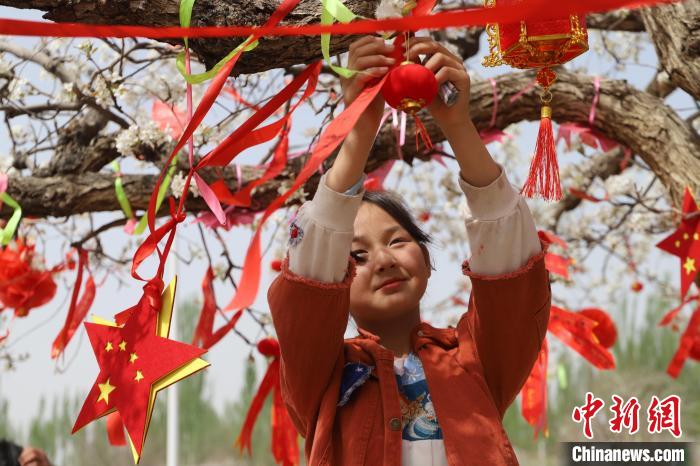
447 67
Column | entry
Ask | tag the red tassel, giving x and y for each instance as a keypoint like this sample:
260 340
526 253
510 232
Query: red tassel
543 179
423 132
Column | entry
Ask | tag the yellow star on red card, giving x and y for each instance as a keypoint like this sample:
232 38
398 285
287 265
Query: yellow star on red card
136 361
685 242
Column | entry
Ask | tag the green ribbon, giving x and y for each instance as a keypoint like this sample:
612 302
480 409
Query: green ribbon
8 232
561 376
185 18
141 226
119 191
334 9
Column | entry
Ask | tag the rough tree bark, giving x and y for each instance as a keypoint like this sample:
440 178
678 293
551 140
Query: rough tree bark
675 31
273 52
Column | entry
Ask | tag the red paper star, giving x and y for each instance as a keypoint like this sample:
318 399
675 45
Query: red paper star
136 361
685 242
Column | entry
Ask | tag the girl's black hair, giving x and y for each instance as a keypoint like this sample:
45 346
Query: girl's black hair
393 204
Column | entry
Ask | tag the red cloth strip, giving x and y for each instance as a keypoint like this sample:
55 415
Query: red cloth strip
78 307
329 140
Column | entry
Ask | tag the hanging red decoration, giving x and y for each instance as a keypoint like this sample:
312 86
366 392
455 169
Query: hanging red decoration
685 241
23 284
285 448
411 87
136 361
538 44
605 330
577 332
533 404
695 349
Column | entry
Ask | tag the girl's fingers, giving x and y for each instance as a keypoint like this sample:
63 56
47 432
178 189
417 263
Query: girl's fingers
377 47
453 75
360 42
440 60
428 47
371 61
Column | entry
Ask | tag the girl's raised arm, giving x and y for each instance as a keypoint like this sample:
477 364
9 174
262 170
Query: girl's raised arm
309 300
510 300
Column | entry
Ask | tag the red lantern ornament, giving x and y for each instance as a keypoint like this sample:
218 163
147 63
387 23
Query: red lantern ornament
637 286
23 285
605 330
409 88
540 45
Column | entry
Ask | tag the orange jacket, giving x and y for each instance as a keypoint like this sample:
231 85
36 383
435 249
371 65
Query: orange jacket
474 371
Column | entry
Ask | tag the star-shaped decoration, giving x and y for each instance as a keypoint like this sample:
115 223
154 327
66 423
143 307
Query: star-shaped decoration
108 346
105 390
129 383
685 241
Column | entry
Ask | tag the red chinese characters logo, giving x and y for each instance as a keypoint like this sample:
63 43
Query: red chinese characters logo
665 415
587 412
661 414
625 416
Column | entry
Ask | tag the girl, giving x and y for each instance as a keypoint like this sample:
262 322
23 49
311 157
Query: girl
403 392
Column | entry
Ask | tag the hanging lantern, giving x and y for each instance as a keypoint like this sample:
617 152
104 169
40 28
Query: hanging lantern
410 87
540 45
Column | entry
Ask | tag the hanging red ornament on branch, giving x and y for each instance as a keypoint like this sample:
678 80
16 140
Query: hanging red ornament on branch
285 448
410 87
538 44
24 285
685 241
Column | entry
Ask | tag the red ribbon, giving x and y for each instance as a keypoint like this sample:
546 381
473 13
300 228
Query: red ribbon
78 307
690 335
576 331
204 335
115 429
279 161
524 11
329 140
534 394
285 448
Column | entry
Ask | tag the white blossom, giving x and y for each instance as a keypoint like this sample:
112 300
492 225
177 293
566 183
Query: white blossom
19 89
177 185
148 134
389 9
619 185
20 134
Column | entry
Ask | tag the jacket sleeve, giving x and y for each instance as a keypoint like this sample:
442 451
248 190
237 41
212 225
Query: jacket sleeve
310 299
509 304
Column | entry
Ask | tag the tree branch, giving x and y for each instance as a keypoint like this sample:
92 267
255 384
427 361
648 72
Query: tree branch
632 117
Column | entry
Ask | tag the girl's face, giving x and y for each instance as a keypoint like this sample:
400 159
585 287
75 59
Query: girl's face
383 251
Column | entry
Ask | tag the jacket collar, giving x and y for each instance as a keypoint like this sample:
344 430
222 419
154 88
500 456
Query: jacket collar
422 334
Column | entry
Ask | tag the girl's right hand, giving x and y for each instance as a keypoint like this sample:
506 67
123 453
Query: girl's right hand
369 57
